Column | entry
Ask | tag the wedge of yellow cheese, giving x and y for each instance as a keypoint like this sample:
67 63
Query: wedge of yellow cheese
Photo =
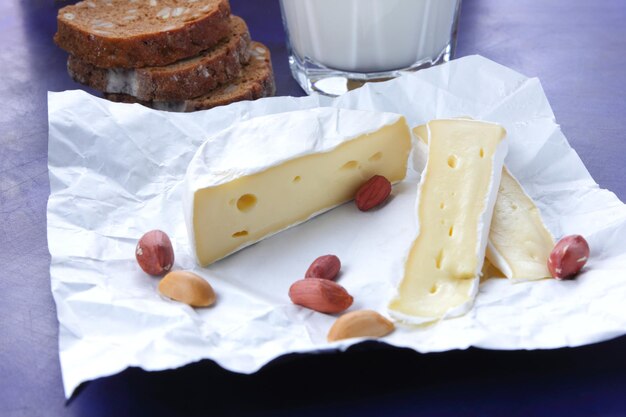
270 173
457 193
519 241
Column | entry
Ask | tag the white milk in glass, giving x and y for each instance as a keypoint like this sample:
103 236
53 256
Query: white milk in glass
366 39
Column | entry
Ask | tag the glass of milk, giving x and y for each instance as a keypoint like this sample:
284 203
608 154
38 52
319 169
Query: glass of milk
337 45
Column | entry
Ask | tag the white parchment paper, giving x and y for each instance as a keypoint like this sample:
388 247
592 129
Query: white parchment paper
116 172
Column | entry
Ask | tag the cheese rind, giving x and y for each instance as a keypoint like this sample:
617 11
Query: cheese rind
420 154
519 242
270 173
456 197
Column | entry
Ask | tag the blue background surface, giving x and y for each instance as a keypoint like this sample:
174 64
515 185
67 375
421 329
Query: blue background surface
577 49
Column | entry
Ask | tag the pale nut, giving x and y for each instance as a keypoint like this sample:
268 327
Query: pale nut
320 295
360 323
373 193
326 267
568 257
188 288
154 253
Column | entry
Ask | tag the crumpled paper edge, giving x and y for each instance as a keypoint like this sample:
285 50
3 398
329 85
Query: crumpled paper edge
379 100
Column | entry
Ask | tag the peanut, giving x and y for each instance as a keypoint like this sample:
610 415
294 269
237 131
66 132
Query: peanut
360 323
568 257
154 253
320 295
373 193
188 288
326 267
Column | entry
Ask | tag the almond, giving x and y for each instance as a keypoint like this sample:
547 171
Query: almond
373 193
188 288
320 295
154 253
568 257
360 323
326 267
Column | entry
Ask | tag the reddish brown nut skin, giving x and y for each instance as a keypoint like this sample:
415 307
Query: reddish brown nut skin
154 253
568 257
326 267
320 295
373 193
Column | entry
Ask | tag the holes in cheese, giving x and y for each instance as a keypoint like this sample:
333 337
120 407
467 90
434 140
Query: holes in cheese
246 202
290 162
515 219
519 242
439 259
468 193
350 165
376 157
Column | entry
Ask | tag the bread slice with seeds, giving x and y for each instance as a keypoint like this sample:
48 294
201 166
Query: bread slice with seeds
256 81
141 33
190 77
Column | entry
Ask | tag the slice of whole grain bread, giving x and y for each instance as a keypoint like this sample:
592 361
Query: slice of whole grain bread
191 77
140 33
256 81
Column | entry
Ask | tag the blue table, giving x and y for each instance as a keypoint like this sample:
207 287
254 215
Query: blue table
577 49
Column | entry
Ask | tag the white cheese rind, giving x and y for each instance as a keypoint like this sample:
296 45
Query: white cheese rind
420 151
527 243
519 241
498 261
239 157
412 301
242 149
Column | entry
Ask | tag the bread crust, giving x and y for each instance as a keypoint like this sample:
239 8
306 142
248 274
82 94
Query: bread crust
101 36
191 77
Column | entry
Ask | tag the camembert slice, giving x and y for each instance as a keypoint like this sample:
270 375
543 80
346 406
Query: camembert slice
269 173
519 242
456 196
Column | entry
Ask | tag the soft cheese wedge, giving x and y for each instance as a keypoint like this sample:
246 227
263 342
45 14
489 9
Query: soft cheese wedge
456 196
264 175
519 242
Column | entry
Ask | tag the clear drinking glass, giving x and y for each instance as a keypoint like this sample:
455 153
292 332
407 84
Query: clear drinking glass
336 45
